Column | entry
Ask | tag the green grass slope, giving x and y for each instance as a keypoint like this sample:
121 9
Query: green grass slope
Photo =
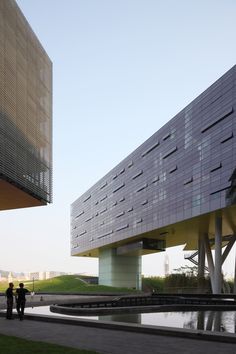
67 284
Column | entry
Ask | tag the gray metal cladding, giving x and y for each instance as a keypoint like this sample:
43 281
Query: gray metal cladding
25 106
185 169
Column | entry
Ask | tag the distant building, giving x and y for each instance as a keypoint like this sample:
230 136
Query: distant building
37 276
166 265
25 113
53 274
178 187
10 277
44 275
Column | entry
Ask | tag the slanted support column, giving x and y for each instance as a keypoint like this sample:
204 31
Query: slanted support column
210 262
201 256
218 254
235 280
201 263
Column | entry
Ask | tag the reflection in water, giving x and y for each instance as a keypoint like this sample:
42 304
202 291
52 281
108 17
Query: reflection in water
222 321
129 318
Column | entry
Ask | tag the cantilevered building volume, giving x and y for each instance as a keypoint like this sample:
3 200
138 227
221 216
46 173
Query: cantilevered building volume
25 113
177 188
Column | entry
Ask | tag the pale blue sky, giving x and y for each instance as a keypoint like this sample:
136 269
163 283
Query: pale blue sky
121 70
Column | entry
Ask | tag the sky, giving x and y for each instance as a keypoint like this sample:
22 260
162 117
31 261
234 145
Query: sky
121 69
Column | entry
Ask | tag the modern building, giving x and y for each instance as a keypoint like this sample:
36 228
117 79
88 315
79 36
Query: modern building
177 188
25 113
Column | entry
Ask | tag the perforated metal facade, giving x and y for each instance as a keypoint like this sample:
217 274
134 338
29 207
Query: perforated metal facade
25 113
184 171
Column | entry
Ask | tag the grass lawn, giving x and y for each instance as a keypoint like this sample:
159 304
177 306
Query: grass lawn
66 283
14 345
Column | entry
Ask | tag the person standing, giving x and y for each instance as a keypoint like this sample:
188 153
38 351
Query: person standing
9 295
20 300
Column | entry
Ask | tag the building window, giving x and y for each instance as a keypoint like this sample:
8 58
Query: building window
166 136
130 164
87 198
120 214
139 173
103 185
173 169
119 187
216 167
142 188
170 152
122 227
150 149
227 137
225 114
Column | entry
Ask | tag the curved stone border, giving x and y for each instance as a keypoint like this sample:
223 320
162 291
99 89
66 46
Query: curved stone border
96 311
132 327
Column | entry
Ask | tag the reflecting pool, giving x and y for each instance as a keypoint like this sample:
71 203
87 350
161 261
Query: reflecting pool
222 321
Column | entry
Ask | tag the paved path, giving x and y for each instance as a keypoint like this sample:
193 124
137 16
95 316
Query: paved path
110 341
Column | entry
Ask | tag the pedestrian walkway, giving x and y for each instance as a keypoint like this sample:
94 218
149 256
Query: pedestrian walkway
107 341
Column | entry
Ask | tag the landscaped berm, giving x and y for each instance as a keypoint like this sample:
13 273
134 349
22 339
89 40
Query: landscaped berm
67 284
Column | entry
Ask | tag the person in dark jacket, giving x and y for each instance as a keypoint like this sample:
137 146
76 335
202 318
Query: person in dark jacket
10 296
20 300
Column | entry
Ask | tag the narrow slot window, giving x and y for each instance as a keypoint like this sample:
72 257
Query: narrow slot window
227 137
103 198
120 214
150 149
103 210
226 113
139 221
216 167
106 234
155 180
77 216
173 169
170 152
87 198
144 202
119 187
103 185
130 164
220 190
139 173
166 136
122 227
187 181
142 188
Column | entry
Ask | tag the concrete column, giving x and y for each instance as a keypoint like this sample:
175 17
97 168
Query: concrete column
119 271
218 255
217 321
210 321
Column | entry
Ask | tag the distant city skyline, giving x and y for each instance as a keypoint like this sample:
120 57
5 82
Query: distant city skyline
113 62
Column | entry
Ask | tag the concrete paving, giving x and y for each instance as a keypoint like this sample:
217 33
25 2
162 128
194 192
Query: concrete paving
107 340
